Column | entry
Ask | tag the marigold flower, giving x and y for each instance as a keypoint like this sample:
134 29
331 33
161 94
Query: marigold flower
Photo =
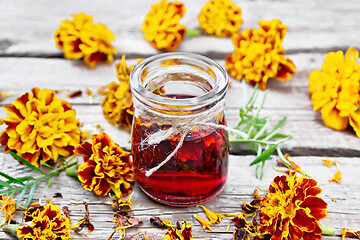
118 105
220 18
180 232
106 167
259 55
335 90
291 209
40 125
47 223
81 38
7 205
161 26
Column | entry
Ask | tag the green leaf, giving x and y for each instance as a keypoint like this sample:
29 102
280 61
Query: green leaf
27 163
6 191
264 155
24 179
20 197
276 129
282 157
5 184
31 195
11 179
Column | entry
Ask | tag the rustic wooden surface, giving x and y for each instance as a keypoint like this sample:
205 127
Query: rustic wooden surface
29 58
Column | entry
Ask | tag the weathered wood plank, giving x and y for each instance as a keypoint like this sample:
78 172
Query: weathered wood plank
313 26
288 99
19 75
240 185
311 137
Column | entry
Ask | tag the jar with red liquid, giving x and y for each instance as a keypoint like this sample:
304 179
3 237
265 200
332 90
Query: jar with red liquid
179 150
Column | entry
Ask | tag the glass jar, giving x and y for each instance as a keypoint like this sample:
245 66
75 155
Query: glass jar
179 151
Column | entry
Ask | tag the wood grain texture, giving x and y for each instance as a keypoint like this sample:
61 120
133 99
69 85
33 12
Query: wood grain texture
288 99
342 213
28 26
29 58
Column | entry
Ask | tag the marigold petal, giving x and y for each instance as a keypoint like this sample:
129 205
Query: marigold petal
354 120
317 207
332 119
304 220
85 175
84 149
205 224
102 188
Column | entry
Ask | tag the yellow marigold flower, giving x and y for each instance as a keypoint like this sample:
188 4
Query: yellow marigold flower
81 38
161 26
291 209
40 125
220 18
335 90
183 232
47 223
259 55
106 167
7 205
118 105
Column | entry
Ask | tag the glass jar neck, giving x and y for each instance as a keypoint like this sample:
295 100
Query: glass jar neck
178 84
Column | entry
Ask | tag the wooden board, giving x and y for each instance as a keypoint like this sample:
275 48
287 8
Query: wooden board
313 25
29 58
342 213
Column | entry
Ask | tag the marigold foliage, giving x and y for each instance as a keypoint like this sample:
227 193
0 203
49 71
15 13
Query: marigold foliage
118 105
40 125
259 55
335 90
220 18
291 209
7 206
46 224
161 26
81 38
106 166
180 232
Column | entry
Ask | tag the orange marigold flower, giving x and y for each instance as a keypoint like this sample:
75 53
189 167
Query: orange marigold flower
47 223
291 209
7 205
259 55
161 26
40 125
180 232
106 167
81 38
335 90
220 18
118 105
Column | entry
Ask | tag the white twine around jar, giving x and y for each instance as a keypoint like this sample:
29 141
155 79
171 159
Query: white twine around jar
182 125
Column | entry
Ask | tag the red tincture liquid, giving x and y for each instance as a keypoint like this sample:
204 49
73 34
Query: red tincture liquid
196 173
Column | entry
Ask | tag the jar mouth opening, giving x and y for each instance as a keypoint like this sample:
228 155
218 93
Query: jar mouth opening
175 65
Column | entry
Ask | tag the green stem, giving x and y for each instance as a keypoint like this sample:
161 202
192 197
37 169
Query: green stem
192 32
326 230
260 141
45 175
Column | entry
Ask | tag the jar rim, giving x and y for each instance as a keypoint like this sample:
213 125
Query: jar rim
216 93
